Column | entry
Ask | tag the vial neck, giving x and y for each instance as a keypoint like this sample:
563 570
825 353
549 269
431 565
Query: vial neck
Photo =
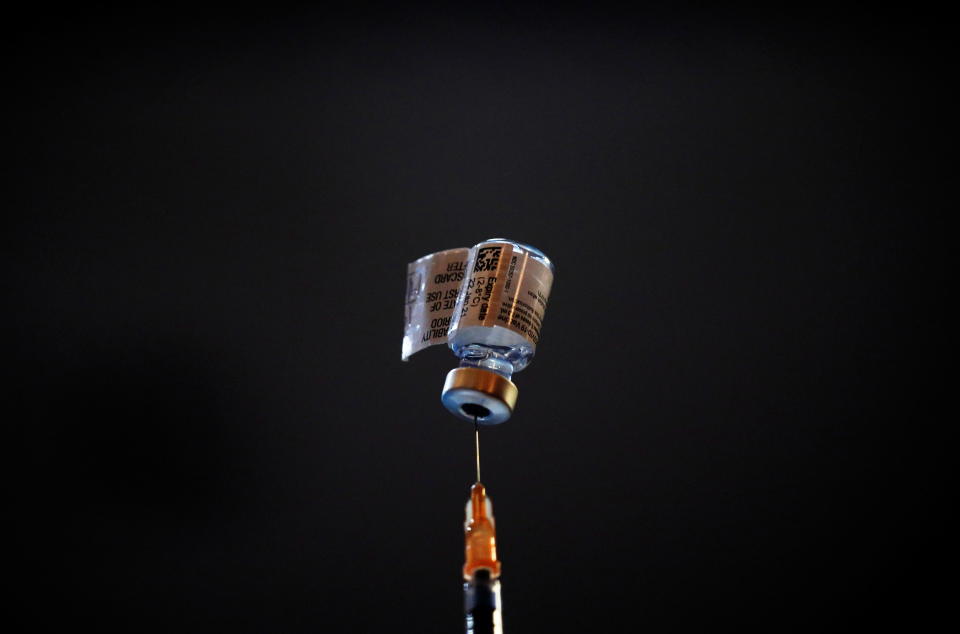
486 358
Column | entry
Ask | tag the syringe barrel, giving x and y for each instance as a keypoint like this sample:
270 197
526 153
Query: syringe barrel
482 604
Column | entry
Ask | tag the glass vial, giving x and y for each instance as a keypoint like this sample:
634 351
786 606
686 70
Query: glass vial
495 327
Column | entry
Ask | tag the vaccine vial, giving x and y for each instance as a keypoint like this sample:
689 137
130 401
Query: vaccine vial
495 327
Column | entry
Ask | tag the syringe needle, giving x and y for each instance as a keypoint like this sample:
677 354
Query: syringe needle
476 433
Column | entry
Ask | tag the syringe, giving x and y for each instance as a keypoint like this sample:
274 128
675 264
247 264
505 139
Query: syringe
481 570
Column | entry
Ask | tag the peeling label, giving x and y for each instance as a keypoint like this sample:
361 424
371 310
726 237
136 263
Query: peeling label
433 284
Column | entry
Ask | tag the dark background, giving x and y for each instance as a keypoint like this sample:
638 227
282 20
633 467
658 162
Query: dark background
211 217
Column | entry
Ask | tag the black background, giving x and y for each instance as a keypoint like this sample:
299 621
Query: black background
212 214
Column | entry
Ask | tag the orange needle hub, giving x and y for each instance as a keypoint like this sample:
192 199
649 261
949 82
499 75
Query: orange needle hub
479 535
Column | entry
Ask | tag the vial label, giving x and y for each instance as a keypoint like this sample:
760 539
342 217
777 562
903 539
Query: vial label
504 287
433 284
